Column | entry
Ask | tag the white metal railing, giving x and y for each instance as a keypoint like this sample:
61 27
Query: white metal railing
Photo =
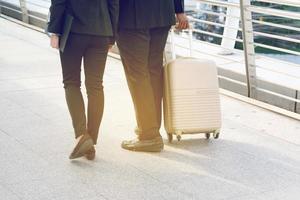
256 9
238 29
247 21
293 3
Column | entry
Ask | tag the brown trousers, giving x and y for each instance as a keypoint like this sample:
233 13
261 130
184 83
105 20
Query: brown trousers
142 56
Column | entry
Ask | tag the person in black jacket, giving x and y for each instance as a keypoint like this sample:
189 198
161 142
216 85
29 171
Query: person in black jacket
143 30
93 30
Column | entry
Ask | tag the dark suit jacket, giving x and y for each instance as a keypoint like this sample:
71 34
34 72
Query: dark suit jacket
145 14
95 17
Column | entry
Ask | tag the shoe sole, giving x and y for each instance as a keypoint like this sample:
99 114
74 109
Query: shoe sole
150 148
84 147
90 156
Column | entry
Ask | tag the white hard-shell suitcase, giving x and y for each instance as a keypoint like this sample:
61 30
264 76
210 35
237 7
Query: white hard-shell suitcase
191 98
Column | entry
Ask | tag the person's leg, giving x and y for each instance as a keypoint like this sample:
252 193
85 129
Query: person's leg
134 50
94 65
71 66
155 63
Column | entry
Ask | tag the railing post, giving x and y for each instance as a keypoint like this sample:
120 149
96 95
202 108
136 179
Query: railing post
230 29
25 16
248 46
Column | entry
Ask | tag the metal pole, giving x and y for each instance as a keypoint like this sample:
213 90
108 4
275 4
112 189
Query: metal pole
296 104
0 7
230 29
25 16
191 41
248 45
173 44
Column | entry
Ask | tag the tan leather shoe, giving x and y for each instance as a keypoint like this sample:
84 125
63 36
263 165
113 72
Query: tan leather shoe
85 144
153 145
90 154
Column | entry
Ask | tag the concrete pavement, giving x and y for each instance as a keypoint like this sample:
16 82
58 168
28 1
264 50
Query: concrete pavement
257 155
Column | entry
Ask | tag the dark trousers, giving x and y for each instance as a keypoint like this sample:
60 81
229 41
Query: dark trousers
142 56
93 50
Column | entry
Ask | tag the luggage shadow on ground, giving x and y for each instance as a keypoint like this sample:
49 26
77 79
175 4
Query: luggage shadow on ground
233 162
228 148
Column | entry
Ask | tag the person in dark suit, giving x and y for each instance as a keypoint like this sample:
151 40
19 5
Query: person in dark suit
143 30
92 32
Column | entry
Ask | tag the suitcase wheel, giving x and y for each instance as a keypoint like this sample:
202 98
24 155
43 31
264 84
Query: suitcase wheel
207 135
178 135
170 137
216 134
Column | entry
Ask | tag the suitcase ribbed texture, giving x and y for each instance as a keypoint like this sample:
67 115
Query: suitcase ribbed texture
195 108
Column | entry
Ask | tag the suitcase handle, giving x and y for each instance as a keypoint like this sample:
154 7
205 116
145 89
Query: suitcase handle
173 47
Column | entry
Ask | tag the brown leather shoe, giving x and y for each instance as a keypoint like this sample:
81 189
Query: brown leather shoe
153 145
85 144
90 154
